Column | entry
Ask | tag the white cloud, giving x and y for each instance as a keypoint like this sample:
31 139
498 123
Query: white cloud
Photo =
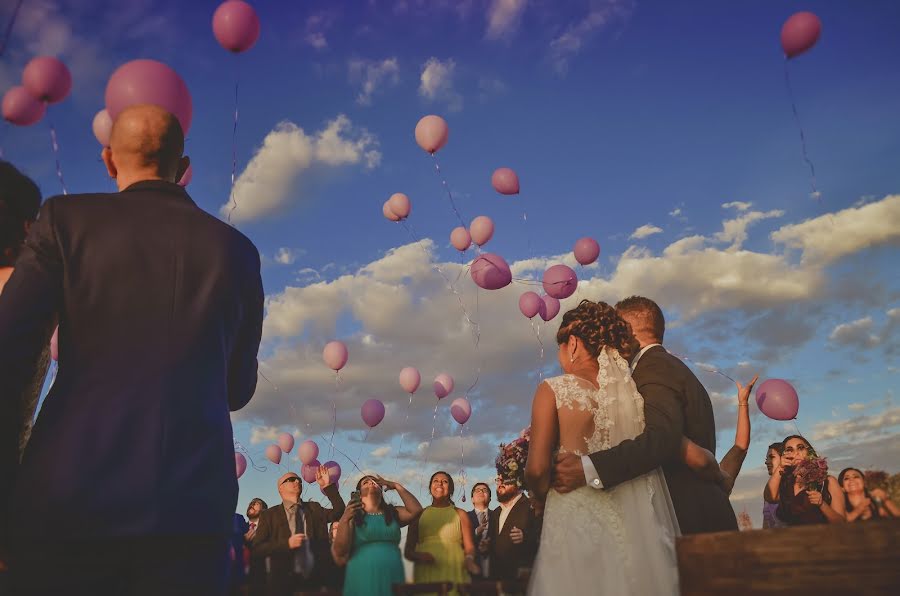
267 434
865 426
739 205
856 407
569 44
316 28
436 83
644 231
490 87
504 17
855 334
735 230
371 75
267 184
381 451
675 212
287 256
828 238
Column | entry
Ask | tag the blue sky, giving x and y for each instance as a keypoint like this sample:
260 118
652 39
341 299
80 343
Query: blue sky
634 122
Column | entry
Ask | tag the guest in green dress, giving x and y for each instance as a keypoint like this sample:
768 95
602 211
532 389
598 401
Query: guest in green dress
440 542
368 537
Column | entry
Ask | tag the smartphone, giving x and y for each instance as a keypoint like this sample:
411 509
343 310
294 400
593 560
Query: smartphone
354 496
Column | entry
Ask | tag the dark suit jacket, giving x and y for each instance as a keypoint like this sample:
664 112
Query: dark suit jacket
160 313
507 558
675 404
271 539
473 519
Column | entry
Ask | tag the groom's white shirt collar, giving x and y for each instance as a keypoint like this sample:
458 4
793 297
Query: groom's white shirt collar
641 353
505 508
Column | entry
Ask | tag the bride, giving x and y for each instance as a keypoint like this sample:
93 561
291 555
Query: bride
619 541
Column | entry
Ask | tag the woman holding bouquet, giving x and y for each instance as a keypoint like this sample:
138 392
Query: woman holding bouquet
803 488
862 503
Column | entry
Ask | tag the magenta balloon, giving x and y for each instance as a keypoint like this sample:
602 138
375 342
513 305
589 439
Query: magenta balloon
102 126
335 355
586 250
460 238
308 471
399 205
149 82
529 304
54 345
235 26
777 399
372 412
551 308
286 442
386 211
432 133
240 464
799 33
273 454
187 176
481 229
490 271
410 379
560 281
461 410
334 471
443 385
308 452
505 181
21 108
47 79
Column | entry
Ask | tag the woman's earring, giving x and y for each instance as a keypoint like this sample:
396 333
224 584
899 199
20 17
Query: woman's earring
571 358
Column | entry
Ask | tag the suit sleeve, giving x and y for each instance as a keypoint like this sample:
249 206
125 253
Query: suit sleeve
660 441
242 367
337 504
264 543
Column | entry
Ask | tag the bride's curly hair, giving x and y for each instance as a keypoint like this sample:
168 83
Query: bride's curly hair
597 324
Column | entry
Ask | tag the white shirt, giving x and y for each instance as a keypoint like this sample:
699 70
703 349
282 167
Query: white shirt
505 508
591 477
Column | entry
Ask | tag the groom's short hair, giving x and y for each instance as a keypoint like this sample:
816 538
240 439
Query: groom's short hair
649 312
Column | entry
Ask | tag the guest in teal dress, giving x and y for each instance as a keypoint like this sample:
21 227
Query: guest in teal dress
368 537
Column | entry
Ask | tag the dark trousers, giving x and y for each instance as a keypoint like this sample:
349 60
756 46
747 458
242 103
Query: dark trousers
172 566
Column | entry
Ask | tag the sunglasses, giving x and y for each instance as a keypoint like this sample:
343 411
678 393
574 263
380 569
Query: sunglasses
290 479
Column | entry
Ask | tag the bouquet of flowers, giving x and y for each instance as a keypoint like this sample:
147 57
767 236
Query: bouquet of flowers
511 461
876 479
813 471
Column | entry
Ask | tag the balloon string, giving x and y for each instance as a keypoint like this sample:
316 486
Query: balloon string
345 455
337 388
812 169
428 448
708 369
243 450
462 462
403 435
437 168
476 338
9 27
55 145
537 333
234 140
274 386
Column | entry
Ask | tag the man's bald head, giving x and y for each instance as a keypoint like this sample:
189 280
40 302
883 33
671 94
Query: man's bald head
146 141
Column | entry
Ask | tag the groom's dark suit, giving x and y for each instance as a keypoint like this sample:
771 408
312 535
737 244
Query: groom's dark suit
675 404
160 312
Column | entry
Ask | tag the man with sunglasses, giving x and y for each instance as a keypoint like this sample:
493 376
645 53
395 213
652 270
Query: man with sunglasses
293 536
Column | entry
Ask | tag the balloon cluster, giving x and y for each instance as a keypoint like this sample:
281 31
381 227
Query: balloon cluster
45 80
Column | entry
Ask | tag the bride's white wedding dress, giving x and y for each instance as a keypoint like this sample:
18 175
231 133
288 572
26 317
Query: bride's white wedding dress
619 541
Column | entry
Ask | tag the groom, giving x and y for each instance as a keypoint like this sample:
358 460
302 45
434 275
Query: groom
675 404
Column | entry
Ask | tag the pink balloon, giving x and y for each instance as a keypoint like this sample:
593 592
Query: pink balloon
777 399
308 471
481 229
21 108
505 181
286 442
54 344
399 205
490 271
235 26
410 379
560 281
586 250
443 385
799 33
187 176
432 133
386 211
334 471
335 355
460 238
461 410
551 307
273 454
47 79
149 82
308 452
102 126
372 412
240 464
530 304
